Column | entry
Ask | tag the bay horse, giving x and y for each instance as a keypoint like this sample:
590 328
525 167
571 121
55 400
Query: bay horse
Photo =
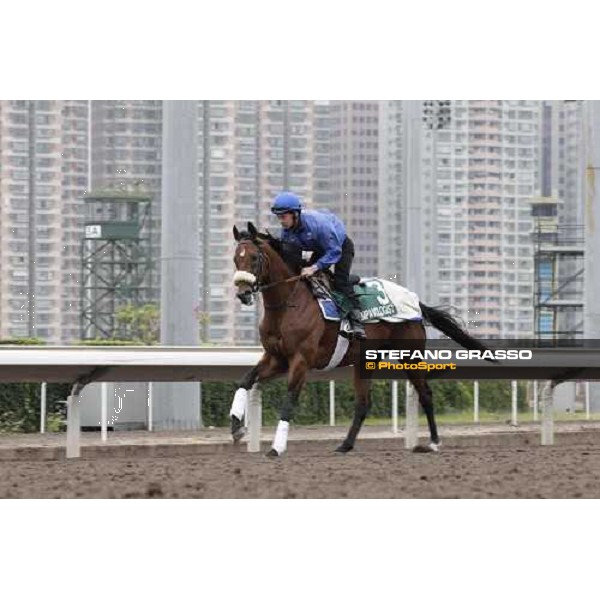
296 338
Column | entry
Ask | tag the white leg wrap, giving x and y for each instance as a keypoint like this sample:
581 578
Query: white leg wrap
434 447
281 437
240 401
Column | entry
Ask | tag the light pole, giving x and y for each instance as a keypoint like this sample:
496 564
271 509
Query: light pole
435 115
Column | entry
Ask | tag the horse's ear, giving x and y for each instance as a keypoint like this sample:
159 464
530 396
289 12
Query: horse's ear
236 234
252 230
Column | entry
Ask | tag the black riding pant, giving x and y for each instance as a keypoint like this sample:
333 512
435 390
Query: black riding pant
342 271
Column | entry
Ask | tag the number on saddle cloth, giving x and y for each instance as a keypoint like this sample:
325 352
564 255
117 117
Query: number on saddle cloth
372 298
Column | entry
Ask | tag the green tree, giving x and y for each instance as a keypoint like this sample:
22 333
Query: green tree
139 323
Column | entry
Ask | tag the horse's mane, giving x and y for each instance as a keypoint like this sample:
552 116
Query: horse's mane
290 253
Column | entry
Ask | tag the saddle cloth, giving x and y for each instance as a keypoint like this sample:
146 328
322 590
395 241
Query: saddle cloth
379 299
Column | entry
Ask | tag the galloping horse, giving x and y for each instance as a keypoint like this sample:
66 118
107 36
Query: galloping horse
296 338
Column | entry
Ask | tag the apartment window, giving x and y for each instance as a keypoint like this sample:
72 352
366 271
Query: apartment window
44 148
45 176
45 276
46 133
18 133
46 290
218 181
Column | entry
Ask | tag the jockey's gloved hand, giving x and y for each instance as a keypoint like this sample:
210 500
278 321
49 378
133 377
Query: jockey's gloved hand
309 271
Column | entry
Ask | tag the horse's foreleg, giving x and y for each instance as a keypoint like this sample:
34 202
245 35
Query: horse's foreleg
361 409
296 377
268 367
426 402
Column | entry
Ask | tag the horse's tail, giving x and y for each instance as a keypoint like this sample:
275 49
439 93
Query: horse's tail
448 325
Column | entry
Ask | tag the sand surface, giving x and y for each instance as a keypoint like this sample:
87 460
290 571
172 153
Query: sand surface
509 467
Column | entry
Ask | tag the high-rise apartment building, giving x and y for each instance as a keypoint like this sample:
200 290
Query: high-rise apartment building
486 173
322 185
43 173
480 171
391 195
562 161
248 152
354 151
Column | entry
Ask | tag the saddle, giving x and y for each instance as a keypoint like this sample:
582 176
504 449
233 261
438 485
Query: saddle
321 284
322 288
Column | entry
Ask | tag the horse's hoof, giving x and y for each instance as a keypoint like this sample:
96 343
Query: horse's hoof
238 431
421 449
238 435
343 449
426 449
272 453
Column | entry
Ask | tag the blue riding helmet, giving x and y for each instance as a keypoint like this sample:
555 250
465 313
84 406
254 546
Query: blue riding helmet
286 202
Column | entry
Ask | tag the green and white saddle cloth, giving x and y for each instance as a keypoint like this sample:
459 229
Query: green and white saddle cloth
381 300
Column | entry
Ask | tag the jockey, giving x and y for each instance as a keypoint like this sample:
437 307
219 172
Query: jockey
325 235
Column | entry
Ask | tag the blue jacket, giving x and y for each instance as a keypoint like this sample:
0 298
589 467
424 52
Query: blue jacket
320 231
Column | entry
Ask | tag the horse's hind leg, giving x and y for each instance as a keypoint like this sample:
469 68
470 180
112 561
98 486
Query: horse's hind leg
426 402
361 409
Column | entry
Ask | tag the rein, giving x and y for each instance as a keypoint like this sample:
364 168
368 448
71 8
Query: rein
270 285
259 288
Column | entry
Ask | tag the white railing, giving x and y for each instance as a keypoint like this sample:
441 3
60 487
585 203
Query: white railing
82 365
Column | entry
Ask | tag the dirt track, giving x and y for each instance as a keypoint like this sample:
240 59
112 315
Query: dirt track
379 468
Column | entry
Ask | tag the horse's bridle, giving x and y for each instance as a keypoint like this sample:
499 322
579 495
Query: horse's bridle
261 260
255 287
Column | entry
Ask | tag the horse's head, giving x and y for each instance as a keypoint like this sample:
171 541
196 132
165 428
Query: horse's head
252 260
250 263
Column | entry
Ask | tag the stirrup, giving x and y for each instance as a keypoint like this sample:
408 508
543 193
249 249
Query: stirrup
359 334
358 329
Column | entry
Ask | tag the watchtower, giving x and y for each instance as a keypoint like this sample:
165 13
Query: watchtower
116 259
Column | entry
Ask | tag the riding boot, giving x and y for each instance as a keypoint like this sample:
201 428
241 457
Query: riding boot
358 329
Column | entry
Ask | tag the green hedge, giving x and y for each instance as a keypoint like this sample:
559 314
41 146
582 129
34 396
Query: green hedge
20 402
313 407
20 406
